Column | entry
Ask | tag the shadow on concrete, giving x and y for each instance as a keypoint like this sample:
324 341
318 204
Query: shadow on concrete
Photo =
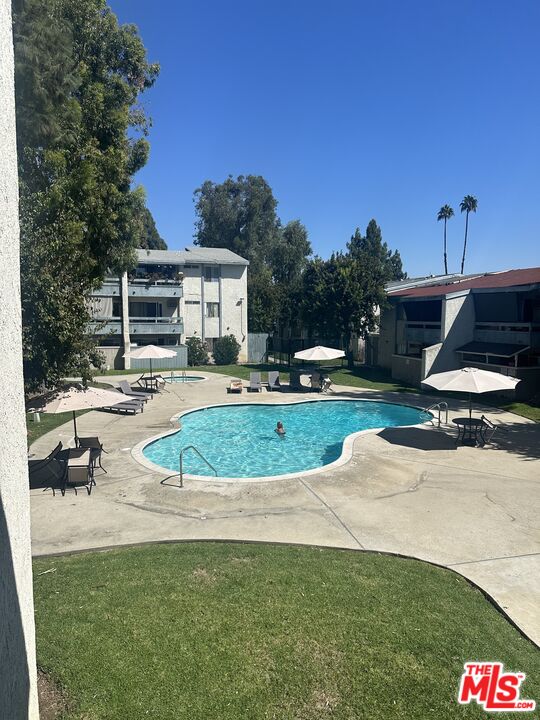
518 439
14 677
417 438
172 484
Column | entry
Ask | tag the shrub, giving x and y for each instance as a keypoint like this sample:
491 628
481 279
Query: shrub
226 350
197 352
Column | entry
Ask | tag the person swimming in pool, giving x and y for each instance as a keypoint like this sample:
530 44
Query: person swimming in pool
280 430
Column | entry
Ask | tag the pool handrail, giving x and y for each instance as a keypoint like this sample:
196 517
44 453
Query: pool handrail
439 406
181 462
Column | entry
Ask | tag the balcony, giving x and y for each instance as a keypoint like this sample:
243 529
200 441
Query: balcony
147 288
110 288
527 334
428 333
156 326
138 326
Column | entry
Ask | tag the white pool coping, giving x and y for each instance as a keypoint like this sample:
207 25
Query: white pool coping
344 458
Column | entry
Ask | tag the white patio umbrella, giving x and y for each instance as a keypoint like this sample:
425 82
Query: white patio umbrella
71 398
319 352
471 380
150 352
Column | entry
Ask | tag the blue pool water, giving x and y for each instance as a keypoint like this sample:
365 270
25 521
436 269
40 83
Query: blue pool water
239 440
183 378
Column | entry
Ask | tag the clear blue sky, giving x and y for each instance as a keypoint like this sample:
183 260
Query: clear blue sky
352 110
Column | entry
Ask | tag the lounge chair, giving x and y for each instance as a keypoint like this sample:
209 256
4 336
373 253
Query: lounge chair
294 383
37 465
273 380
96 449
79 473
326 384
316 383
488 430
235 386
130 406
126 388
255 384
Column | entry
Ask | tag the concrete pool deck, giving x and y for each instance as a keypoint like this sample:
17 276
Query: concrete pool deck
405 490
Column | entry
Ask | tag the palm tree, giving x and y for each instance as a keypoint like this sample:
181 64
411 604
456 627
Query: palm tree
467 205
445 213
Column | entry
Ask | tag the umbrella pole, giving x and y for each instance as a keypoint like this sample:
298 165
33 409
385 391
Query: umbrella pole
470 405
151 368
75 427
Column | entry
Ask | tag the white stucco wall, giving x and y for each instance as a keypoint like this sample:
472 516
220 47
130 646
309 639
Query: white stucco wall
457 329
18 695
230 292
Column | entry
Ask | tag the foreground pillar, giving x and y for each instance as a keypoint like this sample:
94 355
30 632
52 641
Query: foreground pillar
18 694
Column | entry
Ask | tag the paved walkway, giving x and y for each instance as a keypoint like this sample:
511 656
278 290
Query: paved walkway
406 490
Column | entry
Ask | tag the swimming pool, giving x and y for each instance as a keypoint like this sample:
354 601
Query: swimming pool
240 442
183 378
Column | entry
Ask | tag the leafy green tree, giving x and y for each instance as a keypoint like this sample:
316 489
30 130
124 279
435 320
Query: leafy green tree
226 350
78 77
342 296
371 247
197 351
445 213
290 254
150 237
264 302
239 215
467 205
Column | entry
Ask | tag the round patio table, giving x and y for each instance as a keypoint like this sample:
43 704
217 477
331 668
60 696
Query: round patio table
468 430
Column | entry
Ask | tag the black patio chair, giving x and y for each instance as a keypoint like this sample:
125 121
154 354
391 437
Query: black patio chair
96 449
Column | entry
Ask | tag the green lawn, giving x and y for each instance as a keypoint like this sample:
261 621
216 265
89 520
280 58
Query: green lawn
229 631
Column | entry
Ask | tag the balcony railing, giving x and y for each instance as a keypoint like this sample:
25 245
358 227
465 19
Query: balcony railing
423 332
138 325
508 332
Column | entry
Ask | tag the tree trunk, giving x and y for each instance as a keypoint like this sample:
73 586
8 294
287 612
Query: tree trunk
465 242
445 259
348 352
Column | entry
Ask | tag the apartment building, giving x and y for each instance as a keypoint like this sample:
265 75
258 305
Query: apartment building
488 320
170 296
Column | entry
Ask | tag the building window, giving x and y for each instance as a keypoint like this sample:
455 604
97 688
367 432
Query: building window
193 302
212 310
211 273
191 267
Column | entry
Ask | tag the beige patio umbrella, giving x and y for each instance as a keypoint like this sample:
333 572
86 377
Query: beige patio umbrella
471 380
319 352
71 398
150 352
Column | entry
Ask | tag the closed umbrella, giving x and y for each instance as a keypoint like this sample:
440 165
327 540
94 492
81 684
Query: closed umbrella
150 352
71 398
471 380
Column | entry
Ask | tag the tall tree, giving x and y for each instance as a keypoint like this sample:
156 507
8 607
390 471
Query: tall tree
239 215
467 205
371 247
150 237
289 255
288 262
342 296
78 77
445 213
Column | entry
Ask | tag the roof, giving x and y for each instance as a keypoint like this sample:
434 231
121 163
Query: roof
420 281
492 348
487 281
195 255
